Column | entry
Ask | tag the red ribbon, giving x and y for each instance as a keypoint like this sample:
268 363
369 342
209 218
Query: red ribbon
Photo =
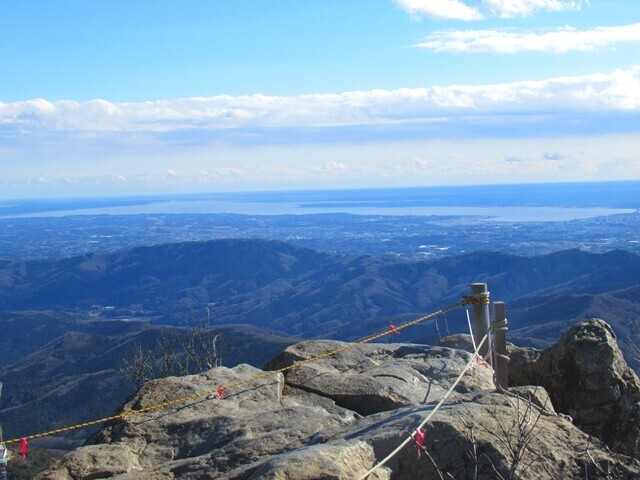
481 361
419 438
394 329
23 448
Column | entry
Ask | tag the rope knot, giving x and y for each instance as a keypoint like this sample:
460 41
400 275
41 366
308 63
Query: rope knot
477 299
500 325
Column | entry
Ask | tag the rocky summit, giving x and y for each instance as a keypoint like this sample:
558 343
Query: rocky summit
588 379
336 418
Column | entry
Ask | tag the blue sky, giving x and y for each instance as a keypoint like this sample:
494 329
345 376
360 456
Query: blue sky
114 97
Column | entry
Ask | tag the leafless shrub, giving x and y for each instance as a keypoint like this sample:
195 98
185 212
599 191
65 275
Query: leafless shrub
139 368
440 473
194 351
167 345
602 471
514 435
472 455
201 349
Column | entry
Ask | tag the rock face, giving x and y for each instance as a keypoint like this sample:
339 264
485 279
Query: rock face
208 436
460 341
378 377
336 418
587 378
522 365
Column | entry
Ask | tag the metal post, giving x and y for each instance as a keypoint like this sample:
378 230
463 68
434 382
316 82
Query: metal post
481 323
502 357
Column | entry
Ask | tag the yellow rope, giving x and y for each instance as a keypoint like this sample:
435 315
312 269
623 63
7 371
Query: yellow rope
220 389
477 299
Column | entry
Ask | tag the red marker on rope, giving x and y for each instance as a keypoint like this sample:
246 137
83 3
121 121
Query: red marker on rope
23 448
482 361
419 438
394 329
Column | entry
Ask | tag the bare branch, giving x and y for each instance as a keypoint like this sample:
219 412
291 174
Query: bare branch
195 351
140 367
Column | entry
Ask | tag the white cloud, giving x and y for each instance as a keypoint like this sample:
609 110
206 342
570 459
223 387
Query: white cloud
476 10
45 180
555 156
245 118
513 41
515 158
334 167
440 9
524 8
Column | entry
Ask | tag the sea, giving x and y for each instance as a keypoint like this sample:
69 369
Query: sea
509 203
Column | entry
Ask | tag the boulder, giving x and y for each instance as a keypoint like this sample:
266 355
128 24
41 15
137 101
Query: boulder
536 395
459 341
96 461
378 377
589 380
267 429
522 365
477 435
340 459
473 436
207 436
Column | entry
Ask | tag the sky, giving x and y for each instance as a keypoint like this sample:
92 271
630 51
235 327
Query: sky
115 97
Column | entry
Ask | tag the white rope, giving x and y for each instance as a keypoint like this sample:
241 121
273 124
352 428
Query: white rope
431 414
483 360
473 340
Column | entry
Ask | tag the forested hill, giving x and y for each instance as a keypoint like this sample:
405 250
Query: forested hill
290 289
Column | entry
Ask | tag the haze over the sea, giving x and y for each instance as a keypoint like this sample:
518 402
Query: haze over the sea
509 203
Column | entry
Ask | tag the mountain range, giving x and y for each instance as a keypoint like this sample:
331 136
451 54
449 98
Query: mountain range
66 324
291 289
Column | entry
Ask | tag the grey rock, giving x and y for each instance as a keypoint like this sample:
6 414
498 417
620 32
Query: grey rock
522 365
491 425
378 377
588 379
96 461
206 436
460 341
269 430
536 395
340 459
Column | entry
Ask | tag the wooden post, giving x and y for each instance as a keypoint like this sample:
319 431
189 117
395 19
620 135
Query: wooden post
481 323
502 357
